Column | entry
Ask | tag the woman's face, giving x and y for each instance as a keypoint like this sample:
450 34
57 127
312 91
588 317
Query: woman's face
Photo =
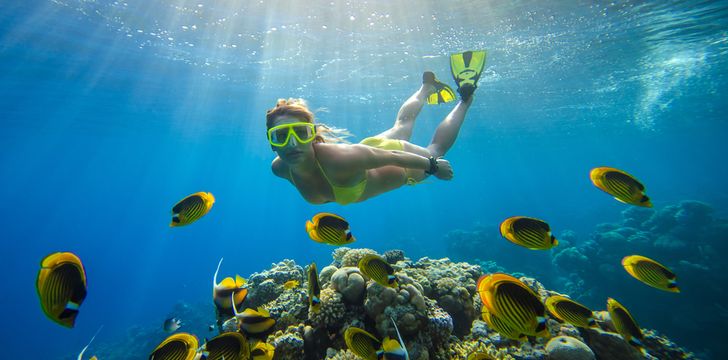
294 151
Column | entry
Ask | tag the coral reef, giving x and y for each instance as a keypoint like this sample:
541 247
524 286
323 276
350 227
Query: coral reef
435 306
687 238
568 348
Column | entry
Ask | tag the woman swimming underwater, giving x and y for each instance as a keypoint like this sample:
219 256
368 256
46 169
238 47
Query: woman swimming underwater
348 173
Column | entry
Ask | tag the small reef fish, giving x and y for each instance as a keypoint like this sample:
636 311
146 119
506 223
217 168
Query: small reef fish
314 289
651 273
503 328
393 349
222 291
291 284
623 186
80 356
179 346
330 229
378 270
514 303
171 325
230 346
191 208
570 311
61 286
362 343
254 322
625 324
262 351
528 232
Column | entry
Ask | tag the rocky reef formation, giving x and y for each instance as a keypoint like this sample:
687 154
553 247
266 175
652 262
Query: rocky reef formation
687 238
435 305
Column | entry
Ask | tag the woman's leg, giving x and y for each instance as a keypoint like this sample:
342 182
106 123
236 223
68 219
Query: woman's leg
402 128
448 129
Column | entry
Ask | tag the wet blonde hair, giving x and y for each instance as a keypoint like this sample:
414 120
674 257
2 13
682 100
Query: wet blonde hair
299 109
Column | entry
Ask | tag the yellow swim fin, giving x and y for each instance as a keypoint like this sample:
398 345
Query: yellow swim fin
466 68
443 93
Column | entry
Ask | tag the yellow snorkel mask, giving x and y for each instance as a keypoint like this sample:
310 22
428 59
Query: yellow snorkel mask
304 133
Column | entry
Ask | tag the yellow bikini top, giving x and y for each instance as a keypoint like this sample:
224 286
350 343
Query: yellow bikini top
342 194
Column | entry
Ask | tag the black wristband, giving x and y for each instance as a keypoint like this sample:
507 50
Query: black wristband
433 166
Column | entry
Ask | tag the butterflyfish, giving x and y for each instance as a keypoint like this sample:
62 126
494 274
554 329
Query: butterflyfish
80 356
254 321
171 325
513 302
329 228
314 289
362 343
621 185
378 270
191 208
179 346
61 286
393 349
228 346
501 327
262 351
570 311
528 232
227 291
625 324
651 273
290 284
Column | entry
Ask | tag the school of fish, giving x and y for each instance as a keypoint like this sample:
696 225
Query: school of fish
509 306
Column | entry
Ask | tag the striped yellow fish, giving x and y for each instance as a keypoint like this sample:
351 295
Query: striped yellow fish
330 229
314 289
254 322
393 349
651 273
502 327
570 311
227 291
623 186
61 286
229 345
262 351
362 343
514 303
528 232
191 208
625 324
378 270
179 346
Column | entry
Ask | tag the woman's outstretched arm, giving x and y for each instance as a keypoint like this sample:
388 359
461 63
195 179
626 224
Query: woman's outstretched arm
362 157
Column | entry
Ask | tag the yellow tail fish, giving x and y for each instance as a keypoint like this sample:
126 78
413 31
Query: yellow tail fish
651 272
191 208
61 286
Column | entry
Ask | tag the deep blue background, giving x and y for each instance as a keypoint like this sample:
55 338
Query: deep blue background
103 128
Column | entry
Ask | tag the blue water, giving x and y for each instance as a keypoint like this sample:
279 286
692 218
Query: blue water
114 111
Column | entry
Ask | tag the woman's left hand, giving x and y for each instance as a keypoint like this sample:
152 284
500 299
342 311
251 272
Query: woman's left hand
444 169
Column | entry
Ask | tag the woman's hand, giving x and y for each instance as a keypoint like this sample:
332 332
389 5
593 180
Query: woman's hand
444 170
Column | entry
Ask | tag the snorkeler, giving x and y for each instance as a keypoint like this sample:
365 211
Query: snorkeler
325 170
